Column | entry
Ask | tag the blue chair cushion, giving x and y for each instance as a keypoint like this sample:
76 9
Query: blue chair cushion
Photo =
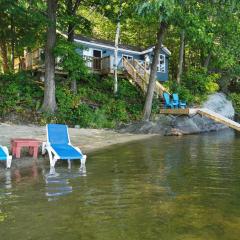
57 134
66 151
3 155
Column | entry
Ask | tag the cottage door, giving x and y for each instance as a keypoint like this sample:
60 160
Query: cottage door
97 54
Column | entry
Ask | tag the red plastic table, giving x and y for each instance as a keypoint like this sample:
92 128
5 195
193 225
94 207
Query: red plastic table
18 143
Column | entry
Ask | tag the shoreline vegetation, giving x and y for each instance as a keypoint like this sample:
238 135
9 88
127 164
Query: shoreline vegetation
94 105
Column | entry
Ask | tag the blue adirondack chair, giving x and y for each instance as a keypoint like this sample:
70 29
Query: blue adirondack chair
167 101
179 103
58 146
4 156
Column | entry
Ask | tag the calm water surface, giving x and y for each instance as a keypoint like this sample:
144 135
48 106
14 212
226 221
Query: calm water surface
161 188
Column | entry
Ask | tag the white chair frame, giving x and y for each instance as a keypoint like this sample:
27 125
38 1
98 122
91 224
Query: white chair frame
9 157
54 157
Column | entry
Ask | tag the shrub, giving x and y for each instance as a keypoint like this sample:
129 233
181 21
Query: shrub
16 93
235 97
200 83
196 85
93 106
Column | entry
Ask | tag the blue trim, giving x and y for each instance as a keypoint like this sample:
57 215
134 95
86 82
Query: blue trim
110 52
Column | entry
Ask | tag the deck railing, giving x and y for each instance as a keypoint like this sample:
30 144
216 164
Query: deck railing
30 60
107 64
35 60
140 75
93 62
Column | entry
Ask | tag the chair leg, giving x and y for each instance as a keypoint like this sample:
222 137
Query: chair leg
52 159
69 164
18 152
9 161
35 152
44 148
82 168
52 171
9 157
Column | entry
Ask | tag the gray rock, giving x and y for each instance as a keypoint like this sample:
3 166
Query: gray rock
179 125
220 104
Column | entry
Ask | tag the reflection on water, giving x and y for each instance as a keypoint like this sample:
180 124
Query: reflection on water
58 183
161 188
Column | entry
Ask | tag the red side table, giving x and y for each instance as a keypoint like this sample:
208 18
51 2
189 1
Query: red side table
18 143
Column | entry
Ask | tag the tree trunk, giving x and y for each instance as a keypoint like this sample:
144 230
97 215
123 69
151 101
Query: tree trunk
181 56
13 53
49 103
4 56
71 11
12 43
207 61
116 58
71 39
115 91
152 79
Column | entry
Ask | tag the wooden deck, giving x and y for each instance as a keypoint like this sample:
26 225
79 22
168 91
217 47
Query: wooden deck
204 112
175 111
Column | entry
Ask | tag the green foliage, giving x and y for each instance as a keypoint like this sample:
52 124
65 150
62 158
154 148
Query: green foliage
22 23
70 59
161 10
196 85
93 106
16 91
235 97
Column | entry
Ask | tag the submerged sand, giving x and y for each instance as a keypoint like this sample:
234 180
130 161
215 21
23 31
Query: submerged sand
88 140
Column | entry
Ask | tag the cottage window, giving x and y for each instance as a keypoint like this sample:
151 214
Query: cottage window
162 64
128 57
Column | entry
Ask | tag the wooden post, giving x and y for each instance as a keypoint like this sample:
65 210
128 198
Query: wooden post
135 75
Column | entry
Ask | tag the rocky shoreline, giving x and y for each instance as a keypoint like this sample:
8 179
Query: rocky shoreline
167 125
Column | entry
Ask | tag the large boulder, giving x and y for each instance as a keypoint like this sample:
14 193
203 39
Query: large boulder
220 104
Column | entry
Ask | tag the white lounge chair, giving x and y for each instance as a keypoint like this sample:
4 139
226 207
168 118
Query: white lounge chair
58 146
4 156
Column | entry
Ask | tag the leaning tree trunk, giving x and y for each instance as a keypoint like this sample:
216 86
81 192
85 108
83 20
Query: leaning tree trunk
181 56
3 47
49 103
152 79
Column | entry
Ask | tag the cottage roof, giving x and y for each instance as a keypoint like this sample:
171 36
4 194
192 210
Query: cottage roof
111 45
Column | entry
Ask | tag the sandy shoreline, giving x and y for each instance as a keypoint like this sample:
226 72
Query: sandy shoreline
88 140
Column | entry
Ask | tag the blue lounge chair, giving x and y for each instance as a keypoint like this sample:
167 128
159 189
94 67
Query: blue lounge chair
177 102
58 146
4 156
167 101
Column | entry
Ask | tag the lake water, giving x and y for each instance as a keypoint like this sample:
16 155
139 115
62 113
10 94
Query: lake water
161 188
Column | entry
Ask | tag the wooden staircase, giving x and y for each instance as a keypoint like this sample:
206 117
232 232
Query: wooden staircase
140 76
